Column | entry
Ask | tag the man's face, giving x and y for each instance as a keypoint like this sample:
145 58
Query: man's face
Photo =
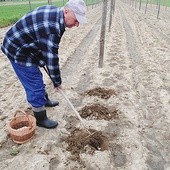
70 18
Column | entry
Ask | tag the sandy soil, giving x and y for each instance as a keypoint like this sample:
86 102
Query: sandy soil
126 103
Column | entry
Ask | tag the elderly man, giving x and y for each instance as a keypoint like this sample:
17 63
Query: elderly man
33 42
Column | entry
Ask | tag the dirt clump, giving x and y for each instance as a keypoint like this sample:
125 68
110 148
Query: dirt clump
97 111
100 92
81 141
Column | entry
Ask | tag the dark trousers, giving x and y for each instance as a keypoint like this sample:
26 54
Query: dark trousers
32 81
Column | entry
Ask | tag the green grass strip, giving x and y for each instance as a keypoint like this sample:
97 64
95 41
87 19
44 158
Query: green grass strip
9 14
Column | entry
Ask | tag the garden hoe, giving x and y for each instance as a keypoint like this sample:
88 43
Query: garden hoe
71 105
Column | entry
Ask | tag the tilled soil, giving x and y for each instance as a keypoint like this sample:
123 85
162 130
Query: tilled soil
81 141
131 119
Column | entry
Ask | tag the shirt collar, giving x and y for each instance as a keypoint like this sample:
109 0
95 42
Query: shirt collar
61 19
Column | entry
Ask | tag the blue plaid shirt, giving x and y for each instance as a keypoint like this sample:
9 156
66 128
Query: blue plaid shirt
34 40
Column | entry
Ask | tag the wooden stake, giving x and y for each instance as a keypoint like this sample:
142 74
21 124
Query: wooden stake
102 35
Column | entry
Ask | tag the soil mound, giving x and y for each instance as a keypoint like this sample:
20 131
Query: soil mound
100 92
81 141
97 111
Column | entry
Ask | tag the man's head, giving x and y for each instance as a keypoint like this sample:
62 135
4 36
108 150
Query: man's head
74 13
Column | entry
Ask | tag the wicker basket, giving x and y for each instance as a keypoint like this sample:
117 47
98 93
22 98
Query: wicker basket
22 128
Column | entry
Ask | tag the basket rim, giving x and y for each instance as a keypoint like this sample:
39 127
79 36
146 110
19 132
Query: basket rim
31 119
24 135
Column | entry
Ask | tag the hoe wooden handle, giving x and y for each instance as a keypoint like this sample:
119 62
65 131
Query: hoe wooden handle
75 111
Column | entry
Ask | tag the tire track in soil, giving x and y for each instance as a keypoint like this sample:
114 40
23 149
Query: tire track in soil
154 26
153 65
158 154
155 62
135 56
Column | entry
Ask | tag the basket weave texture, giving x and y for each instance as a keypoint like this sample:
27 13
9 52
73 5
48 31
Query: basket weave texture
22 128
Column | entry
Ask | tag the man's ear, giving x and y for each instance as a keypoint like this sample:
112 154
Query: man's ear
66 10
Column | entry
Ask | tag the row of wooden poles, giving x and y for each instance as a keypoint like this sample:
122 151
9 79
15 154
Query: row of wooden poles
146 2
49 2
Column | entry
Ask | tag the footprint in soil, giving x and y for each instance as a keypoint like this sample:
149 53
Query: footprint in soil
79 139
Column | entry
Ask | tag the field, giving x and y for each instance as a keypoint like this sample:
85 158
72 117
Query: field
11 11
126 102
16 9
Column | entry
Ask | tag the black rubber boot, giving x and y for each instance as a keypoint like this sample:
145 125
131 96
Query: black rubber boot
49 102
43 121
